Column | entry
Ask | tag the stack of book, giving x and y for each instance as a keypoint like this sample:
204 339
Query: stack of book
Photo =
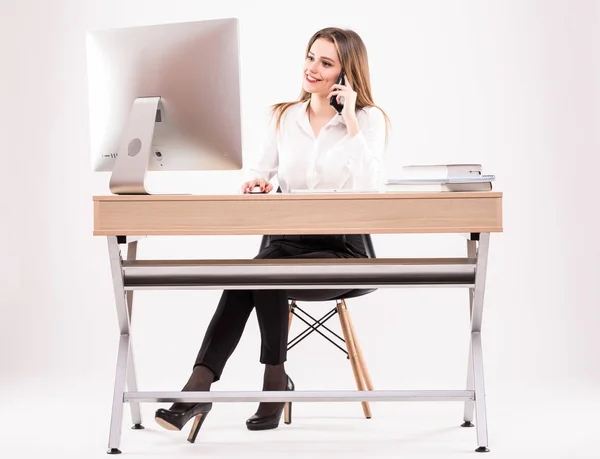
441 177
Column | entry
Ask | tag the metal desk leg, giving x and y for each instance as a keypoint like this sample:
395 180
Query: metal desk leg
116 419
136 415
476 348
469 404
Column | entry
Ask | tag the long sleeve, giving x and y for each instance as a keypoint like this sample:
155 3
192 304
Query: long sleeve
356 162
265 164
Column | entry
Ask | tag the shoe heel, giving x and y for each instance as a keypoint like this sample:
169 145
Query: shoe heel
287 412
196 427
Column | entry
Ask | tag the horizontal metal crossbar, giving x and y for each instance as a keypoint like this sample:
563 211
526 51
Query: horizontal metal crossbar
298 273
302 396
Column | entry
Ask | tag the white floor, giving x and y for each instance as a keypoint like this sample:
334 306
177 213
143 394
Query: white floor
550 425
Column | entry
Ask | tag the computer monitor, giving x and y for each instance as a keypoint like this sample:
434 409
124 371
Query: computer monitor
164 97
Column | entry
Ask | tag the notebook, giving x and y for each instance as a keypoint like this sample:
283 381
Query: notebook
441 180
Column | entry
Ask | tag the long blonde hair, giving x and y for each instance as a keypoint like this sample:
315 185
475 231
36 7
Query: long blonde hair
355 64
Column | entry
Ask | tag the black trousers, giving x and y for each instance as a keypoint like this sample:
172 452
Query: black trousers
272 309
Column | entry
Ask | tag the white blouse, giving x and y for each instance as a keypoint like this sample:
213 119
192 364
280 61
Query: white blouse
331 160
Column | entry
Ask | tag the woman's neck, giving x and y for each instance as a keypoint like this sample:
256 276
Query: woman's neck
319 107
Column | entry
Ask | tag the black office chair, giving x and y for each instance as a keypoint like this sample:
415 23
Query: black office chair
352 351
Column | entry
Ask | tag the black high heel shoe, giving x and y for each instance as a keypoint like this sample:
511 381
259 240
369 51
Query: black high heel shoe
271 421
176 420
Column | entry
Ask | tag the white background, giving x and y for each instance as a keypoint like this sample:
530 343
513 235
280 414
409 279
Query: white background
512 84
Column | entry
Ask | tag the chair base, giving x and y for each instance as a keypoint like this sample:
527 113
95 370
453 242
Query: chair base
350 341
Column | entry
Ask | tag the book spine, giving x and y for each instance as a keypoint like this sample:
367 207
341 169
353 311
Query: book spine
448 171
417 188
461 171
480 186
425 172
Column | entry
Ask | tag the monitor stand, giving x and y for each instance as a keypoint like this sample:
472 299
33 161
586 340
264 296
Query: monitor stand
129 172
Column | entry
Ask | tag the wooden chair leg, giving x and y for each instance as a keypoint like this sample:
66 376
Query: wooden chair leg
361 360
292 306
343 313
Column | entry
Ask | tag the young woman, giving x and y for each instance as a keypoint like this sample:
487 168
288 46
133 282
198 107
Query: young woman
310 145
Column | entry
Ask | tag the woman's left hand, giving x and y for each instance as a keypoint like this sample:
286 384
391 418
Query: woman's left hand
349 95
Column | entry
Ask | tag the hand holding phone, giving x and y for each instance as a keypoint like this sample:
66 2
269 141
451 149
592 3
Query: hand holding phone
333 100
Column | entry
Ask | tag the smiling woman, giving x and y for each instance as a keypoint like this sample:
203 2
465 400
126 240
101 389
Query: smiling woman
311 145
329 53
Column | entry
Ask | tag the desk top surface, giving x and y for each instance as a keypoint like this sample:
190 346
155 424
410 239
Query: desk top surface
301 196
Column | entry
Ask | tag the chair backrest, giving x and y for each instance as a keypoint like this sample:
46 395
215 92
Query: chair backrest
368 243
264 242
366 240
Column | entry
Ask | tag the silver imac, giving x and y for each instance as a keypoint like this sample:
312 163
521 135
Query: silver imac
164 97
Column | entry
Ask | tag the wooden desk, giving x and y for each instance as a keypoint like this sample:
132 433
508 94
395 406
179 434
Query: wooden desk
123 218
278 213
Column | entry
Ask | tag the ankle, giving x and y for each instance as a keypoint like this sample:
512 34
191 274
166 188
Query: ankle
275 377
200 380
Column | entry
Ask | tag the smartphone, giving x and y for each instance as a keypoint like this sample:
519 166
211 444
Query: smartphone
333 101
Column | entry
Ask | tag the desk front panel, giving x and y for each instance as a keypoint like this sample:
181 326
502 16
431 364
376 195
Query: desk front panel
298 214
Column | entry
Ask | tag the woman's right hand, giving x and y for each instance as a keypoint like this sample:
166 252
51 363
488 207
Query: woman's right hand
265 186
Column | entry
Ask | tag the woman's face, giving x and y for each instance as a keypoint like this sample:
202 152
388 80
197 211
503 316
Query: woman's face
321 68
